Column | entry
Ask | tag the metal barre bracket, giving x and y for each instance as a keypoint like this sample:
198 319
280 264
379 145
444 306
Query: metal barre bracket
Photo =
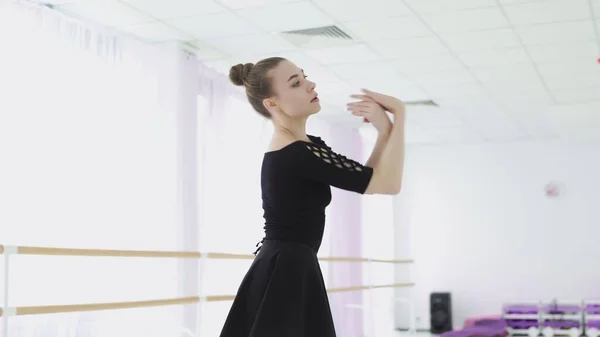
10 250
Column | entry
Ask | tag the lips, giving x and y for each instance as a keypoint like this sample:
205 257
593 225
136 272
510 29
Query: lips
316 99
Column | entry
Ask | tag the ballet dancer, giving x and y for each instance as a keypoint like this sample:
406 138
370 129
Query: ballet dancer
283 293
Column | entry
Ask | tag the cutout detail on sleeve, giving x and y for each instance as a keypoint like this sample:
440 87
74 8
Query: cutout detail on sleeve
335 159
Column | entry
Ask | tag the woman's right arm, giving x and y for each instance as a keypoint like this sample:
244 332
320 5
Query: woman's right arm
388 172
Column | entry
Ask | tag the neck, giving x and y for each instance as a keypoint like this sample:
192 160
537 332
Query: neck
293 127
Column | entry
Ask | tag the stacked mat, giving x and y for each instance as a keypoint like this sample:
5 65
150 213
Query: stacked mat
481 328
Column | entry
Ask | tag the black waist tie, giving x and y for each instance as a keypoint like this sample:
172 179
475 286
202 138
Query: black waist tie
307 235
259 246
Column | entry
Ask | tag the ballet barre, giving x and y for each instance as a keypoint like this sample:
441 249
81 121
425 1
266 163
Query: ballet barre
54 309
7 251
27 250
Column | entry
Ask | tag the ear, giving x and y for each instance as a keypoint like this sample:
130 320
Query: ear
269 103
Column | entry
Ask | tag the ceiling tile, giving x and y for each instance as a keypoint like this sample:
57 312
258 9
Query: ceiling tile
475 110
572 81
203 27
284 17
487 39
505 73
433 6
344 10
512 2
408 48
365 69
508 80
110 13
579 95
304 41
59 2
517 91
239 4
156 32
161 9
444 78
432 117
582 108
492 57
524 100
387 28
457 94
565 68
429 64
396 86
250 44
460 133
537 12
344 54
453 22
563 51
579 31
315 71
496 125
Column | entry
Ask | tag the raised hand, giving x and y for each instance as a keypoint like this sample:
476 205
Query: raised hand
372 113
389 103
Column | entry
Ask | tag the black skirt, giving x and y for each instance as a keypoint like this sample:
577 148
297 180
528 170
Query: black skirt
282 295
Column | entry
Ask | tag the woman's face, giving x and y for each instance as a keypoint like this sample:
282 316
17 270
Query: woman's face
295 95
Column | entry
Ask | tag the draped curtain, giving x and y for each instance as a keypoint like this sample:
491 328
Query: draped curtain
89 159
106 142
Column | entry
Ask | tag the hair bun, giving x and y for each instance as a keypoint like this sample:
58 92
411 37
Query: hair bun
239 73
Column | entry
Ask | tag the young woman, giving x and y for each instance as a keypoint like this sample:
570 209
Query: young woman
283 293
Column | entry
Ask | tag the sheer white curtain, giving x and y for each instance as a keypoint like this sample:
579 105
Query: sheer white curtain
89 159
232 140
378 241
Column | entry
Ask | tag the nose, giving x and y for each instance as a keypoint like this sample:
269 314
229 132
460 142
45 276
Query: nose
311 85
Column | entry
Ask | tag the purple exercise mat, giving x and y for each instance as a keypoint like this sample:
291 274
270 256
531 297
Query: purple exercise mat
562 309
477 331
593 309
496 323
593 324
523 309
561 324
521 323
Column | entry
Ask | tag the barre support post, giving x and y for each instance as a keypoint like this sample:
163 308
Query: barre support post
6 310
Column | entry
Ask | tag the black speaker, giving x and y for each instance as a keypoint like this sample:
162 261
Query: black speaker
440 312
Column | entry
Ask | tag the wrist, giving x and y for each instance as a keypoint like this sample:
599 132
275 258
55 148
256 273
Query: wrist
385 132
397 108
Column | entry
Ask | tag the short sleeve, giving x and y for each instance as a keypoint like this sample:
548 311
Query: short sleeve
320 163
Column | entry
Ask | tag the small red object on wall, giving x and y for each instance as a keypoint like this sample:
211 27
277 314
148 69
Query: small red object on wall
552 190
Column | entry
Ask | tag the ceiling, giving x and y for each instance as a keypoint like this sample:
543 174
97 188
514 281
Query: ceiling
499 70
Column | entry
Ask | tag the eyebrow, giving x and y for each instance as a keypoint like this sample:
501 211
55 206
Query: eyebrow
295 75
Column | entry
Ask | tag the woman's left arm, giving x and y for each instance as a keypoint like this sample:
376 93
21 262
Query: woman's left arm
382 139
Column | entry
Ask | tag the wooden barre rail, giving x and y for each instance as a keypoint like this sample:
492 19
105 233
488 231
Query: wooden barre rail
53 309
26 250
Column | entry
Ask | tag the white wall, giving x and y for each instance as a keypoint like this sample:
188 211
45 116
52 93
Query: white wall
477 222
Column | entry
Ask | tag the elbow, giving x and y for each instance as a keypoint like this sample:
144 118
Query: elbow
393 189
384 183
396 188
